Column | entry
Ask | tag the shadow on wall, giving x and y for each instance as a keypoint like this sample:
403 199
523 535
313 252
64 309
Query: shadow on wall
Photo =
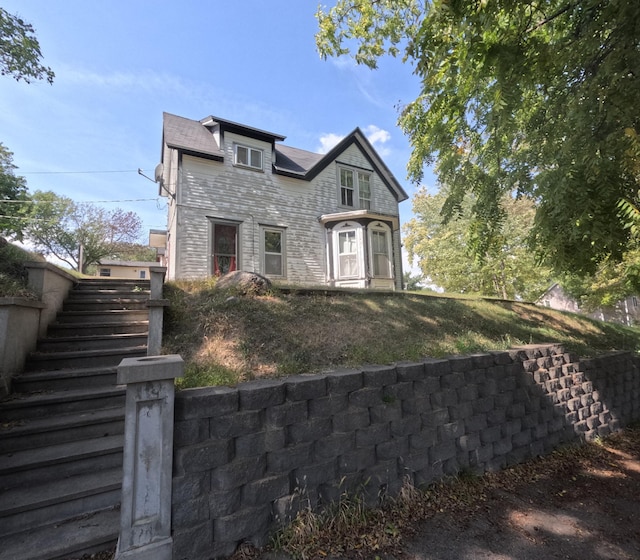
246 459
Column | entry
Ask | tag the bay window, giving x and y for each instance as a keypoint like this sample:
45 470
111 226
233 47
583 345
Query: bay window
380 250
347 254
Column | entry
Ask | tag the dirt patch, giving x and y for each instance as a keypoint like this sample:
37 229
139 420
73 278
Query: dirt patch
582 508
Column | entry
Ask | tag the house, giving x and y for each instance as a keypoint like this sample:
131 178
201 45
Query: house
239 199
626 311
124 269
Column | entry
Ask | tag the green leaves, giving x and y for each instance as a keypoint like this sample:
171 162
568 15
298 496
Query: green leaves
537 97
13 197
58 226
445 250
20 51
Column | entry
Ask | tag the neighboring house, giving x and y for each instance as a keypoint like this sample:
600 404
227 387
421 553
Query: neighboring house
125 269
626 311
240 200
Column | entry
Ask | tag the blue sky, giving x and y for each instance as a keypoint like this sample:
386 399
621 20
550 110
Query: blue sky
120 64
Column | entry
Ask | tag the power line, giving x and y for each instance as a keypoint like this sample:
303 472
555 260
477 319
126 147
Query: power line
15 201
75 172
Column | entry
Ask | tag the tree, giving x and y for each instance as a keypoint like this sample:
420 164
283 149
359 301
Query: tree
507 270
534 97
135 252
411 282
20 54
58 226
613 282
13 196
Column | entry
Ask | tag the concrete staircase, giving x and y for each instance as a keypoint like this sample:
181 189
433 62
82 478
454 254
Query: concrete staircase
61 431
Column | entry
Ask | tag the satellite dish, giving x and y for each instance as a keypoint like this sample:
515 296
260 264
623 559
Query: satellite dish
158 172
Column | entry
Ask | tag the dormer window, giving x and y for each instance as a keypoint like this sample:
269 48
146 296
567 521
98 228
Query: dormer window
247 157
355 188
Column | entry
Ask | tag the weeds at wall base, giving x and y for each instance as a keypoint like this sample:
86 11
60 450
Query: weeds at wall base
349 527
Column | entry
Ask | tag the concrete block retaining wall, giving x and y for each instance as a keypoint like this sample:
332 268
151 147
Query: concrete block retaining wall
248 458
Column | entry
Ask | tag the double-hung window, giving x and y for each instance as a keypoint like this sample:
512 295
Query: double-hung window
273 251
355 188
247 156
348 254
364 190
380 239
346 187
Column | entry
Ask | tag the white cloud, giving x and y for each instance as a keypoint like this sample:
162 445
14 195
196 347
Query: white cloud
328 141
376 135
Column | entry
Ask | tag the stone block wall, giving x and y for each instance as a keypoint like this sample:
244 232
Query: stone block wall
248 458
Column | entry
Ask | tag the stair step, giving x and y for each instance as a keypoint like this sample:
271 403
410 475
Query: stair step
32 405
105 293
90 342
87 534
38 361
56 330
103 305
59 461
64 379
119 284
114 316
62 428
42 504
61 436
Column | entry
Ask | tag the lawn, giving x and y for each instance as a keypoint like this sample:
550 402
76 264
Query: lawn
226 338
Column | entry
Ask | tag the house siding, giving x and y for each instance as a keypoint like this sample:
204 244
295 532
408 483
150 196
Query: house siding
208 190
212 190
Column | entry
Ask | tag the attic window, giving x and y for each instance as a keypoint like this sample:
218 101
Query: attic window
247 157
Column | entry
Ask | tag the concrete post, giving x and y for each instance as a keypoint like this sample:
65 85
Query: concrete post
145 515
156 310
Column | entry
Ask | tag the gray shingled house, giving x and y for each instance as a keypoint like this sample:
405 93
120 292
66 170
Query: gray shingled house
238 199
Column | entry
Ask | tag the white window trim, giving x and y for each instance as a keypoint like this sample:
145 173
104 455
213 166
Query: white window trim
249 149
348 227
283 253
356 187
378 226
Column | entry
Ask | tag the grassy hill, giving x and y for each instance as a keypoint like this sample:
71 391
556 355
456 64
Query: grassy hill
227 339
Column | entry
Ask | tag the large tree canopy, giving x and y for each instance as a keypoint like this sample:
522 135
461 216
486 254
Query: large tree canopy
535 97
58 226
20 54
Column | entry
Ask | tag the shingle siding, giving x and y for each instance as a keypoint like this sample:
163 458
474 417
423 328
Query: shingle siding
207 190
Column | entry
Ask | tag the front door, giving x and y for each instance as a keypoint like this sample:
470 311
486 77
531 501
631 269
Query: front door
225 248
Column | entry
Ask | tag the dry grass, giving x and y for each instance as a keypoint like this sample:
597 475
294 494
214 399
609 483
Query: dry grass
225 338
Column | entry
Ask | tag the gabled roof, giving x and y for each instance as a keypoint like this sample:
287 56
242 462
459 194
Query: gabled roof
195 137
